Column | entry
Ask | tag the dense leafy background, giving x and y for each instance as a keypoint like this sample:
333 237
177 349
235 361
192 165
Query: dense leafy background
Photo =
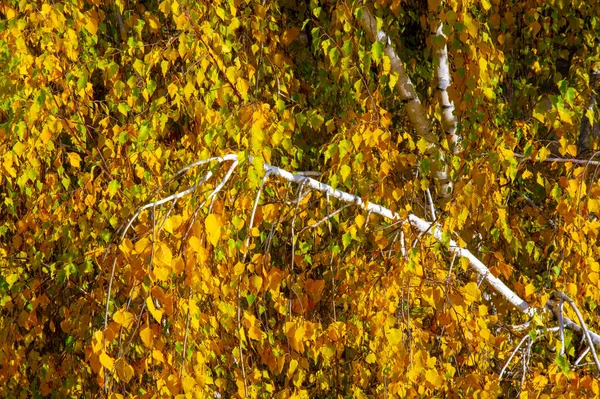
100 104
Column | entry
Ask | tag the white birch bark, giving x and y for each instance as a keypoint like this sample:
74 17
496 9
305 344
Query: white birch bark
442 73
405 88
408 94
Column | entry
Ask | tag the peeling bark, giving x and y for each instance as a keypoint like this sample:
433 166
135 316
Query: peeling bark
408 94
442 73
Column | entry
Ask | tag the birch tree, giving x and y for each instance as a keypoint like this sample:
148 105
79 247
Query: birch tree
299 199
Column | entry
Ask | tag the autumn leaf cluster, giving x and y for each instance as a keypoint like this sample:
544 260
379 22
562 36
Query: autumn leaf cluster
249 285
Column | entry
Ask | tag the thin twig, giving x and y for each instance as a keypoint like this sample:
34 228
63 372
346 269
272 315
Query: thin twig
239 283
185 337
230 157
561 333
559 160
586 333
432 206
326 218
210 52
513 355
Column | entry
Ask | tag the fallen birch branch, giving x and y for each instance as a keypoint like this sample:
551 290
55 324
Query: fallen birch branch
421 225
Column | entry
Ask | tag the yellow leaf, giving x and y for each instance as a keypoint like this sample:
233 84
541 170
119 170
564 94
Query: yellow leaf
387 64
565 115
238 269
162 273
386 167
74 159
371 358
293 367
231 73
433 378
422 144
472 292
142 245
163 255
124 318
489 93
156 313
172 223
543 153
270 212
195 244
394 336
189 384
147 337
258 133
126 246
486 4
255 333
359 220
593 206
572 289
242 86
239 382
46 135
172 89
153 22
345 171
19 148
178 265
256 282
529 289
158 356
563 145
239 223
98 342
91 22
124 371
242 335
188 90
213 224
107 361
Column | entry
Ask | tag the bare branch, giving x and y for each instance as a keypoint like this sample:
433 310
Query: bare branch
586 333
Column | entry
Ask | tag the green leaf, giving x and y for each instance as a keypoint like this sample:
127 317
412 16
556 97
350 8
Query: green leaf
113 187
123 108
377 51
563 363
346 239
